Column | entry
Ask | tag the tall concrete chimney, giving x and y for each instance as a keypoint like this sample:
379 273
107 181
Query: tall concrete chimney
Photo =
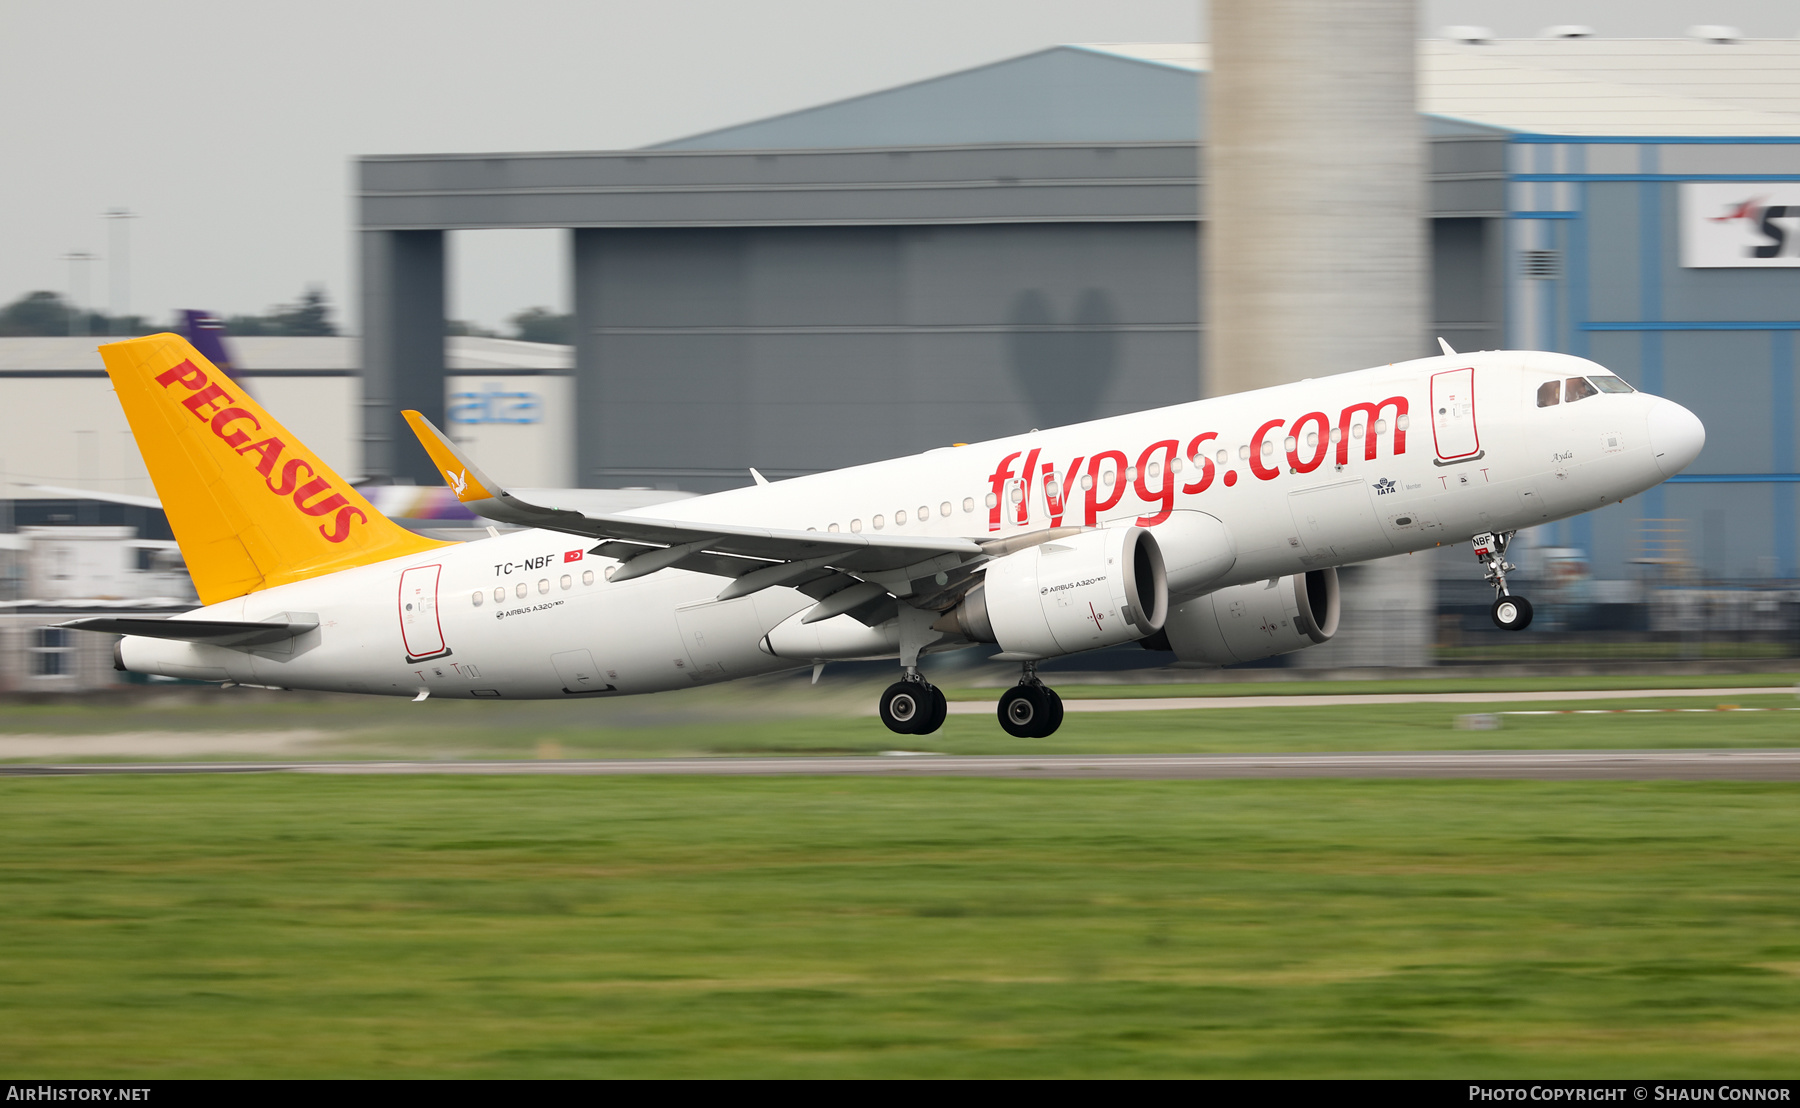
1315 239
1315 191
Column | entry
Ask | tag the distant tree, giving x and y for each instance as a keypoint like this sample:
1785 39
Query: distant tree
465 327
543 325
35 313
310 316
47 313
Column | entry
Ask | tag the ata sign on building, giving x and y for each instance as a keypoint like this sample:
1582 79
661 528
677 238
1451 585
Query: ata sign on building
1740 224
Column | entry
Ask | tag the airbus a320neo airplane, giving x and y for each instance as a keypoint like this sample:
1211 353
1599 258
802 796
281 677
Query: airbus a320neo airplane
1211 529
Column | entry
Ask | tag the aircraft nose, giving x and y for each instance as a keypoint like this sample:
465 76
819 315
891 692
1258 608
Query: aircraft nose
1676 436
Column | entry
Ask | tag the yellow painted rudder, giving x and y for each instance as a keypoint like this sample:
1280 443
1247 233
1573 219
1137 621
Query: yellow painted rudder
250 505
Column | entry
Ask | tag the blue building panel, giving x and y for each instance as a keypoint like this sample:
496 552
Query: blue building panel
1718 340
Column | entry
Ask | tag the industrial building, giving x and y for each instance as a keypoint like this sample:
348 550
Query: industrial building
1016 245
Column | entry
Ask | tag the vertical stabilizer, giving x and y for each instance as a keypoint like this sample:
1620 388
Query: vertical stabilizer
250 505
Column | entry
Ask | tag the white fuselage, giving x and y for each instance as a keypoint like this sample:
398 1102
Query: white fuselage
1286 469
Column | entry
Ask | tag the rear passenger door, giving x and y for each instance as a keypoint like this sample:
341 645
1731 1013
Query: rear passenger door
420 628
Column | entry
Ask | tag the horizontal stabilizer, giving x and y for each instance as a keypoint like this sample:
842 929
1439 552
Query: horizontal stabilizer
210 632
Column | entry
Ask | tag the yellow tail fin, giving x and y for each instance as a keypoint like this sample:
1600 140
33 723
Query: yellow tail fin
250 505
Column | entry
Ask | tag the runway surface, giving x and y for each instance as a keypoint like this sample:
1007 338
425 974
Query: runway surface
1353 700
1543 765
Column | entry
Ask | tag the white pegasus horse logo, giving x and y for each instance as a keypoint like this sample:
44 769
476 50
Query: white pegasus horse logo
458 481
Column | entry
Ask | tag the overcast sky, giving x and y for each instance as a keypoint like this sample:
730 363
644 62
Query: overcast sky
229 127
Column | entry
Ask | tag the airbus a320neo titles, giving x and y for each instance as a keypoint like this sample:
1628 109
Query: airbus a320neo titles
1212 529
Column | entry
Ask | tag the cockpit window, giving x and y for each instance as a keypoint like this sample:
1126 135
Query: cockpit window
1549 393
1608 383
1577 388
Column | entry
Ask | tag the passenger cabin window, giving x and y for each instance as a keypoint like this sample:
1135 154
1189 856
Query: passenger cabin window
1577 388
1607 383
1549 393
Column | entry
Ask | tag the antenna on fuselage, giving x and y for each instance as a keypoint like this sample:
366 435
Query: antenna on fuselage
1445 345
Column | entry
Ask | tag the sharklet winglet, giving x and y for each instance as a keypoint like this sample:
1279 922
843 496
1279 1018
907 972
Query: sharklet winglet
463 476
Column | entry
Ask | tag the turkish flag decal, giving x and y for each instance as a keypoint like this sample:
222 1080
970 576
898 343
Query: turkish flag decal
572 556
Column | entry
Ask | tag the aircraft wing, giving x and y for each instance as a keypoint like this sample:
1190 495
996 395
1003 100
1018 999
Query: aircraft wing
759 557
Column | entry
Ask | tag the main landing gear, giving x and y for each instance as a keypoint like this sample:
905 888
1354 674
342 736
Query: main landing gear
910 706
1509 613
1030 709
914 706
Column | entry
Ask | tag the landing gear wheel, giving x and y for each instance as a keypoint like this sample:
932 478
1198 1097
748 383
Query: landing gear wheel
939 711
1023 711
1511 613
907 705
1030 711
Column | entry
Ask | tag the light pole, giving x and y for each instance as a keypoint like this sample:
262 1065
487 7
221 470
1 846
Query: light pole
119 265
77 290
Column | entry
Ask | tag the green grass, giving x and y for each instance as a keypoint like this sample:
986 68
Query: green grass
1542 650
314 926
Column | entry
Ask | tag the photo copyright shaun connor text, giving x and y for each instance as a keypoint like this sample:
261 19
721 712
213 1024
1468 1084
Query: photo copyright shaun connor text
1648 1092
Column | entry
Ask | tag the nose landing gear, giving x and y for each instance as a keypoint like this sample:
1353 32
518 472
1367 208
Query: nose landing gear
1030 709
910 706
1510 612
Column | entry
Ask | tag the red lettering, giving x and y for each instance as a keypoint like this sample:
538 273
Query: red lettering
1323 446
270 452
324 507
340 527
211 394
1166 494
187 373
1199 457
1056 493
235 438
290 476
1370 412
1263 472
1094 504
998 482
1030 469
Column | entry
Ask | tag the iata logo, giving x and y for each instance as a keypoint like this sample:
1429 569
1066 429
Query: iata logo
1384 486
210 404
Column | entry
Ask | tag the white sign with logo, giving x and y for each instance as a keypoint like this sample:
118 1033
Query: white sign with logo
1740 223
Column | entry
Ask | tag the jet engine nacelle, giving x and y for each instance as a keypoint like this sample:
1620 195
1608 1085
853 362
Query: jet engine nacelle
1258 620
1098 588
